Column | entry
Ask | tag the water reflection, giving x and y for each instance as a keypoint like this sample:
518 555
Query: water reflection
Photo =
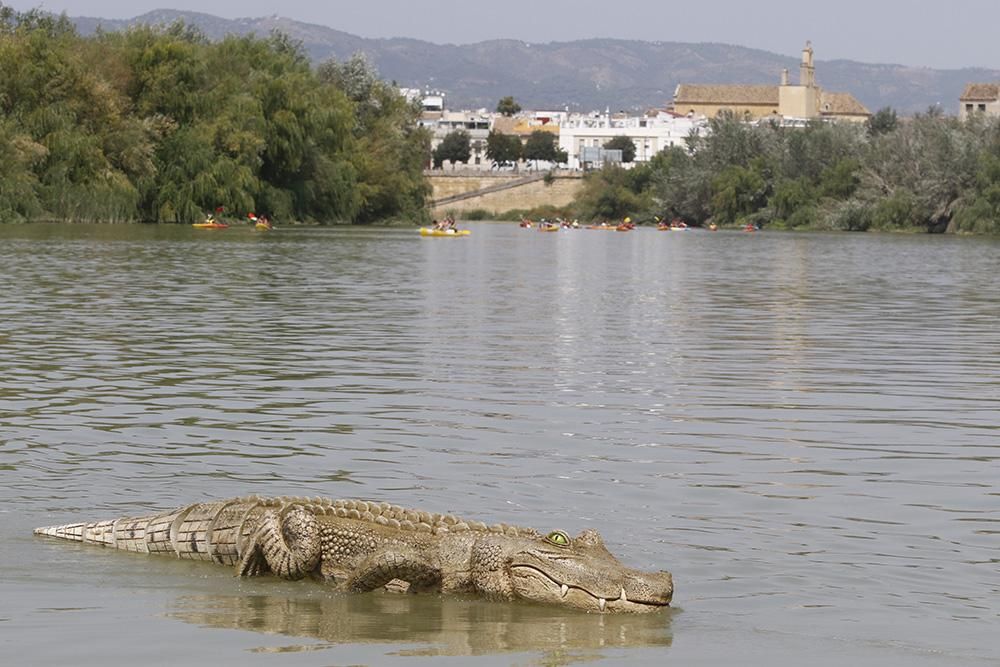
802 427
442 626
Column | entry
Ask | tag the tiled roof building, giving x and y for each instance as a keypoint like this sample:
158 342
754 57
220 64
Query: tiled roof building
980 98
804 100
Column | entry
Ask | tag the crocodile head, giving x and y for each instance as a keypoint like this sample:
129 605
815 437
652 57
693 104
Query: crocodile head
577 572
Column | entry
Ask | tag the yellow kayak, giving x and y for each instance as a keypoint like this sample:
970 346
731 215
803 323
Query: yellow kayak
263 227
210 225
428 231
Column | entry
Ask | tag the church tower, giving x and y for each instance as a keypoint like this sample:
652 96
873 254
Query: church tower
807 71
801 101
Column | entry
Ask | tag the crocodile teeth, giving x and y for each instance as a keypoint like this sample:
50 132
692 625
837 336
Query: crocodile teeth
602 603
624 598
565 590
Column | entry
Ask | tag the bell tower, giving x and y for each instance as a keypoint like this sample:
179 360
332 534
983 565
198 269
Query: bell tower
807 71
801 101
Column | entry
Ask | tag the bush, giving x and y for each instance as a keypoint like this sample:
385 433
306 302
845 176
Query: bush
479 214
790 196
848 217
897 213
613 193
803 218
979 217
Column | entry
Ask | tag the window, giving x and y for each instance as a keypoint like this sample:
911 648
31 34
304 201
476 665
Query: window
982 107
970 108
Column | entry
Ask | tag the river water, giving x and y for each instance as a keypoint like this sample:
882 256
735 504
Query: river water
803 428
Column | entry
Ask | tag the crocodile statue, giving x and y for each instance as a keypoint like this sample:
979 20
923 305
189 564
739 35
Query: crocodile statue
359 546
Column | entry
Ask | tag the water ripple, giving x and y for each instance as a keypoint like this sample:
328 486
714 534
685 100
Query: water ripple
804 428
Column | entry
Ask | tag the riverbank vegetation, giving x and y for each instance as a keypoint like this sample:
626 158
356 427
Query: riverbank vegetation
162 125
926 173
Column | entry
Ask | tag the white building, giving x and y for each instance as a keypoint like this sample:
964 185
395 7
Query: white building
651 133
982 98
476 124
441 122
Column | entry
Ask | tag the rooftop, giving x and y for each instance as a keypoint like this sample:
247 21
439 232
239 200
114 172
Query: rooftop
841 104
688 93
981 92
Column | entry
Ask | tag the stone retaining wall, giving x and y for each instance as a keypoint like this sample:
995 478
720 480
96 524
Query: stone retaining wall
561 191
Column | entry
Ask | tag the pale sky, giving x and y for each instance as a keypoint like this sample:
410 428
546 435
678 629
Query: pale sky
942 34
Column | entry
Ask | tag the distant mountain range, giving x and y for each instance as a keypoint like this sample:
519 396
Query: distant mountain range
583 74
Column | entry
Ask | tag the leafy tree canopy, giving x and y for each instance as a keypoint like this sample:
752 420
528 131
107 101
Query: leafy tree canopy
623 144
455 147
930 173
159 124
541 145
883 121
507 106
503 149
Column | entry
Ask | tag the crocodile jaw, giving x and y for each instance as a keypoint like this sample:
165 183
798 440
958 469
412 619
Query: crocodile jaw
531 583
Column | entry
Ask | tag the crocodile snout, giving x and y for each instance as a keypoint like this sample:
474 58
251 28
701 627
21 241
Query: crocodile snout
656 588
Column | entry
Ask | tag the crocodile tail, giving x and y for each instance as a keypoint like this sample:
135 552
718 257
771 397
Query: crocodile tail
92 533
202 531
127 534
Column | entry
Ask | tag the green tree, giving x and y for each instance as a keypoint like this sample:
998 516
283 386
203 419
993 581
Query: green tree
160 124
738 192
19 193
507 106
732 142
841 180
541 145
898 212
613 193
356 76
810 151
791 196
388 150
980 210
167 72
623 144
680 184
882 121
929 163
455 147
503 149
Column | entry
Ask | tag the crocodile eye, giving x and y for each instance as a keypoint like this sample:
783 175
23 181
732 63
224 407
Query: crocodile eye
558 538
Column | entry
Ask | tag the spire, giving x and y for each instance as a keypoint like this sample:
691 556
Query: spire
807 71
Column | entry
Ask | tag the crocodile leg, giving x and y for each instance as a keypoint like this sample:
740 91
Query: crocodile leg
287 545
394 566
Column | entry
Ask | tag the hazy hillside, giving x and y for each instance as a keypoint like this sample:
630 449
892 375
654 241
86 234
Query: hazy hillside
585 74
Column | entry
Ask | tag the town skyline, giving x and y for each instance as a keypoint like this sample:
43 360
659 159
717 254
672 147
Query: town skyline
955 37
